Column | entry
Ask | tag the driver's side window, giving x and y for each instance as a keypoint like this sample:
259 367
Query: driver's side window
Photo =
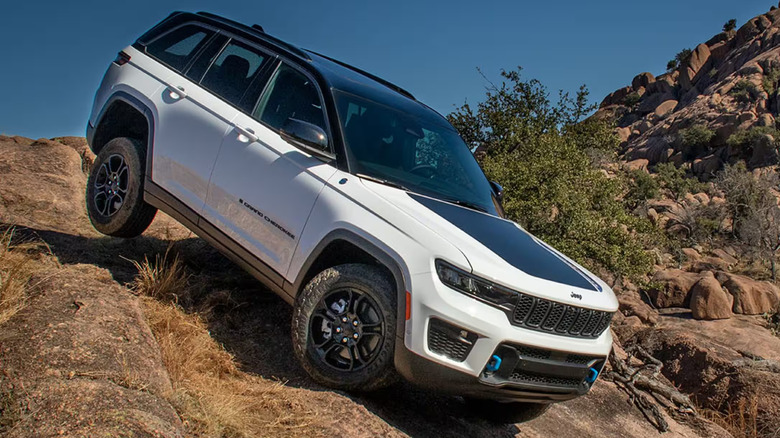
289 94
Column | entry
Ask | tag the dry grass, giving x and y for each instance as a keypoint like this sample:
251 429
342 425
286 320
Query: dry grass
164 279
15 271
741 419
211 394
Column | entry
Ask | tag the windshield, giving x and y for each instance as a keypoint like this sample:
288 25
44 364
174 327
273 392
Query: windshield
418 151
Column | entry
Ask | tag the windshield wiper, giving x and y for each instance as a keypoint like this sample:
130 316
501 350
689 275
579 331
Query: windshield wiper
466 204
382 181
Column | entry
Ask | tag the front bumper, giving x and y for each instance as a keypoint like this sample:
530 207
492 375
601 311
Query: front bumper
453 342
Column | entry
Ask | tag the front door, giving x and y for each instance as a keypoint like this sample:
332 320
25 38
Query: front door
263 188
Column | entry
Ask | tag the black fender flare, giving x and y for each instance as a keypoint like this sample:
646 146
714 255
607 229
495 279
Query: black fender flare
398 270
142 108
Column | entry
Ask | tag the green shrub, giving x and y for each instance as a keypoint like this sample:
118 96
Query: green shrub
675 181
697 137
769 82
641 187
539 152
672 65
744 91
632 99
730 25
748 138
683 56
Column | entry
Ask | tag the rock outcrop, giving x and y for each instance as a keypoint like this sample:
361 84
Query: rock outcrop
727 84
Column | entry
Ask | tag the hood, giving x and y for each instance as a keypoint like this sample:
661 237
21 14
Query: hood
512 244
501 251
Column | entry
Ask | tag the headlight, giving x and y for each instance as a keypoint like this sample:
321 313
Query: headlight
473 286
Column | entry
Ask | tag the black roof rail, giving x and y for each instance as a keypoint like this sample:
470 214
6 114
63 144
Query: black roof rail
258 31
384 82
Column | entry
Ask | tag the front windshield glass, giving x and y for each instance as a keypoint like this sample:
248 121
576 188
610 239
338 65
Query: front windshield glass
419 151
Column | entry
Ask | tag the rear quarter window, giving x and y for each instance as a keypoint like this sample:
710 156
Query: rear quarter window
179 46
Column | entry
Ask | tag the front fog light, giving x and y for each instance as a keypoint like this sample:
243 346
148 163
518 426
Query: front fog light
462 281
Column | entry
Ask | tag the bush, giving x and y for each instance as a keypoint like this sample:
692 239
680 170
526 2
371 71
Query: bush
744 141
632 99
683 56
539 153
697 137
672 65
753 209
744 91
769 82
675 181
641 187
730 25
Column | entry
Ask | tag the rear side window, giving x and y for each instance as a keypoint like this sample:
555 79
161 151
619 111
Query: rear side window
233 70
290 94
177 47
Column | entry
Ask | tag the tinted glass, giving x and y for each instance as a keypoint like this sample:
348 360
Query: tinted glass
233 70
290 94
178 47
418 150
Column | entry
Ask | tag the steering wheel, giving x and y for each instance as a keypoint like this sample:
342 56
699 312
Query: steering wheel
424 170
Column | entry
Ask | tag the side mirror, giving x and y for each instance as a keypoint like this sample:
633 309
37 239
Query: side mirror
498 191
305 133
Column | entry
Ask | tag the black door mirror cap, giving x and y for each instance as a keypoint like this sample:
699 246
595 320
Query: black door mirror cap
308 134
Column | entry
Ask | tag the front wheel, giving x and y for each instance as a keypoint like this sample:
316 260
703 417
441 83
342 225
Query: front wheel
343 328
115 203
506 413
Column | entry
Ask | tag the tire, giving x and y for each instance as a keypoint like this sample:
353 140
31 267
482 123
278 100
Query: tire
506 413
115 192
337 304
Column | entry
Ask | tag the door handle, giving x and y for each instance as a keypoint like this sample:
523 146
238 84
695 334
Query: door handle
176 93
246 135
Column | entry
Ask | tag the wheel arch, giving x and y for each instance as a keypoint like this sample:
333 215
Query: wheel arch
124 115
343 246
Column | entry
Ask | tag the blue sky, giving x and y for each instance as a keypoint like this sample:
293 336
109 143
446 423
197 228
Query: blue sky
54 53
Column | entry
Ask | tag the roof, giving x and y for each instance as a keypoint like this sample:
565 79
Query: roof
336 72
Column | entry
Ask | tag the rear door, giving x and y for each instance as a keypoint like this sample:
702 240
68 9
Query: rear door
196 107
263 188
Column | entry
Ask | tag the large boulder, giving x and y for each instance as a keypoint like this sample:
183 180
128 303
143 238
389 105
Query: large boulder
674 288
696 67
642 80
751 297
708 299
665 107
632 305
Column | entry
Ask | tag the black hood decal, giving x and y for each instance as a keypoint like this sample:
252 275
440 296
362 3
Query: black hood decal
511 243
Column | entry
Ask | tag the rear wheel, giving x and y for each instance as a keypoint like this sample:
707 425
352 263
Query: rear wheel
114 195
344 328
506 413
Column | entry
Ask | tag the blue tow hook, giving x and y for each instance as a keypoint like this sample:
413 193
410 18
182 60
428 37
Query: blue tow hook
493 364
593 374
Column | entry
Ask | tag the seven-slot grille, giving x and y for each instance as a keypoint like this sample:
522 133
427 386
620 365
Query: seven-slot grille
562 319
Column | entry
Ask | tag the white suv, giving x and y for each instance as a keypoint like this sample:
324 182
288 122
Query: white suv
356 203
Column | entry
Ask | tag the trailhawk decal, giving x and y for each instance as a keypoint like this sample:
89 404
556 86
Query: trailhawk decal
267 219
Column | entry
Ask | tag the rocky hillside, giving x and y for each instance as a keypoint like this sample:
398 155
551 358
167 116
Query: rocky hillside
706 309
722 87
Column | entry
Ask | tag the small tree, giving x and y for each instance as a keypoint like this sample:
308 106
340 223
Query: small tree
754 211
539 151
730 25
683 56
672 65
